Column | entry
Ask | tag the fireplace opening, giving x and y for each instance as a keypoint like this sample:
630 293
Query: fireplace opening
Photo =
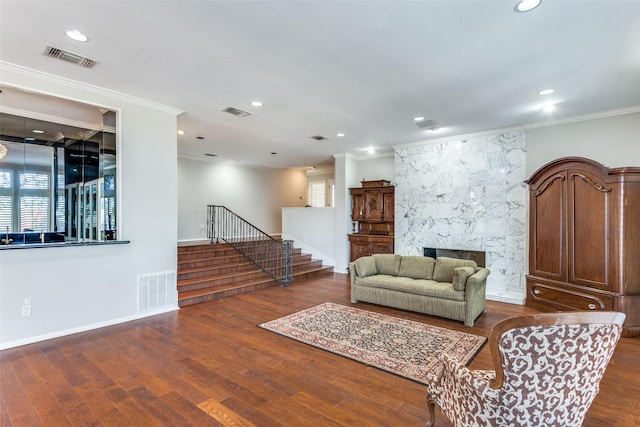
477 256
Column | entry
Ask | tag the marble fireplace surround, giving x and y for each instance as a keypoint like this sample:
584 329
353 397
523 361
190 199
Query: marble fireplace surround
467 193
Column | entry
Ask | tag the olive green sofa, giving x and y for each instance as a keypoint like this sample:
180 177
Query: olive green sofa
445 287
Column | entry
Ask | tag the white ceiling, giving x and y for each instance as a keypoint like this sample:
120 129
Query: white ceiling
322 67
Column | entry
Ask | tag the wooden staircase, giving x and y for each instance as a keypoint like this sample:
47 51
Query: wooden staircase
208 271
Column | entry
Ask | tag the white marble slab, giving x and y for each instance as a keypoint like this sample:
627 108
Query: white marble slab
467 194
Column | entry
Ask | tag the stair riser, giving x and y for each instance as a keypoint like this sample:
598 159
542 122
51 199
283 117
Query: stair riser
226 293
213 281
222 270
210 262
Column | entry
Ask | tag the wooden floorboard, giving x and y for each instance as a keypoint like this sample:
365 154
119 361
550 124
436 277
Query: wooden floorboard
210 365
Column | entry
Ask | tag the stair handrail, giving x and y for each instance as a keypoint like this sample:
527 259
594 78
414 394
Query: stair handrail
271 255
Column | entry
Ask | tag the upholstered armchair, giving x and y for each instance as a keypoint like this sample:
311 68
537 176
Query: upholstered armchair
547 372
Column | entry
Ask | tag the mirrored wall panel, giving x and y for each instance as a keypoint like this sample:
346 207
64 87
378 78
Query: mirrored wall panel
57 170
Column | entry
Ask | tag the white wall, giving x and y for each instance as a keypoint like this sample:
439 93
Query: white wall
256 194
311 230
375 169
612 141
79 288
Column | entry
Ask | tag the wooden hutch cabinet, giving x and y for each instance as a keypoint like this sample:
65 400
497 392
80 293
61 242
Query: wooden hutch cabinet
372 215
584 239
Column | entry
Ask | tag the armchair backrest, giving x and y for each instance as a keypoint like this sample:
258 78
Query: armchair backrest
548 366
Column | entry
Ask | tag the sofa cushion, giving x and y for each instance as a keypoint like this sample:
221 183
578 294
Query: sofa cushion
366 266
444 268
420 287
460 276
417 267
387 263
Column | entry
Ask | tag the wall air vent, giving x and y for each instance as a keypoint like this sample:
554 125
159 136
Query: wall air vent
428 124
73 58
236 112
319 138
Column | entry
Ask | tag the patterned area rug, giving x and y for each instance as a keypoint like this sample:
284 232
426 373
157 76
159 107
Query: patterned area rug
400 346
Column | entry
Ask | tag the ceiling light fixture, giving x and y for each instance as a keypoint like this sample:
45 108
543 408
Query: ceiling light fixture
37 131
181 132
527 5
418 119
546 92
548 107
371 150
3 151
76 35
256 103
340 134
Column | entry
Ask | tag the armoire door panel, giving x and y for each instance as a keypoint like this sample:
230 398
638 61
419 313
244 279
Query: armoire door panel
547 216
589 202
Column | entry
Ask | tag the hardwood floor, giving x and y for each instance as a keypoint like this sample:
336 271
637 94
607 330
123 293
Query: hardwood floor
210 365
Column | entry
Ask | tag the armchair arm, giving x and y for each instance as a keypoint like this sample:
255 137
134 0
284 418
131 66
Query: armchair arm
463 394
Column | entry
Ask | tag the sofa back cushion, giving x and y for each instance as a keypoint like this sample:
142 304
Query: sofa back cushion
444 268
388 263
366 266
417 267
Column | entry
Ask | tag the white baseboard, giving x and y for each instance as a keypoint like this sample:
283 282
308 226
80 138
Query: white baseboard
508 298
84 328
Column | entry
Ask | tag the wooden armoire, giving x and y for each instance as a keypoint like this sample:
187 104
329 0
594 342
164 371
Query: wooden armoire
372 216
584 239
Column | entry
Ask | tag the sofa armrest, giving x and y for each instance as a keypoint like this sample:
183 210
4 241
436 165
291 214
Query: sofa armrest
478 277
352 272
352 275
475 295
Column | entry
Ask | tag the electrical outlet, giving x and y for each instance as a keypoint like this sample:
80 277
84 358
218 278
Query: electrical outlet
26 310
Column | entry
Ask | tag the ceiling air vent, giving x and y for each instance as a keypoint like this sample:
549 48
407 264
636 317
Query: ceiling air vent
236 112
319 138
73 58
428 124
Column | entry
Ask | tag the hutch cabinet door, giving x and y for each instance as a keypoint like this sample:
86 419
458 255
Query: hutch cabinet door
373 206
357 205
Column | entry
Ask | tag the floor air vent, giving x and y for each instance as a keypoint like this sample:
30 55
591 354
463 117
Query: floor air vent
73 58
157 291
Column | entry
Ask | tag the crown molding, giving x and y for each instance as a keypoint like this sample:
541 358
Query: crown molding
585 117
73 84
493 132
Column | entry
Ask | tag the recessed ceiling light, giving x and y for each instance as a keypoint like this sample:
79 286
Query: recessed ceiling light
340 134
181 132
546 92
76 35
527 5
256 103
37 131
548 107
371 150
418 119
